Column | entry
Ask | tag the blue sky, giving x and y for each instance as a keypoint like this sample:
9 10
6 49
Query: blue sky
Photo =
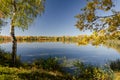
57 20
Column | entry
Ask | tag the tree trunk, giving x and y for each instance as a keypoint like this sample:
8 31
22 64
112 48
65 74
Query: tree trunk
12 33
14 43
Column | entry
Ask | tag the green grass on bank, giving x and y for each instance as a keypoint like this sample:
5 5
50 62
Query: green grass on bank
116 75
51 69
7 73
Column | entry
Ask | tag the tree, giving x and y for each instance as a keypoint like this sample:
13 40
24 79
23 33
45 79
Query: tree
2 23
89 19
20 13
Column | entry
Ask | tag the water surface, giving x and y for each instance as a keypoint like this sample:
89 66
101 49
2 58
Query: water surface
87 54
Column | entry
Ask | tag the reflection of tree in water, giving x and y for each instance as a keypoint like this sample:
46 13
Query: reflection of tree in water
115 44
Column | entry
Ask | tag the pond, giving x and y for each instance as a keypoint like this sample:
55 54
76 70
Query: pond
87 53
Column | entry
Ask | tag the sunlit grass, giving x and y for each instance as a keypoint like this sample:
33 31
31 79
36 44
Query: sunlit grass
7 73
116 75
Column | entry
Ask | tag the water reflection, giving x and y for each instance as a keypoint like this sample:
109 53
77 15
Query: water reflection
88 53
113 44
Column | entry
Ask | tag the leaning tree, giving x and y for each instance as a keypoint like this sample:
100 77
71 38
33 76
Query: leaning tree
20 13
90 18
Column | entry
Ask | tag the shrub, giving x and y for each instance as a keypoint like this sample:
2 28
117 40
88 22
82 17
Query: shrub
50 64
115 65
6 59
90 72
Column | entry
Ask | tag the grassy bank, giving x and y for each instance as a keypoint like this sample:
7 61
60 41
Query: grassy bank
43 69
116 75
7 73
51 69
13 73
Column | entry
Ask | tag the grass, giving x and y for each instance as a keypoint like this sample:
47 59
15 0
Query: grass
51 69
116 75
115 66
43 69
35 73
7 73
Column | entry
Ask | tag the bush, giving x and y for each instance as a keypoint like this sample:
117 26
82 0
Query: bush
6 59
115 65
50 64
90 72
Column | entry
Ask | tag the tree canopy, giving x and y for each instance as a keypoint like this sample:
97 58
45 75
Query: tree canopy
89 19
23 12
20 13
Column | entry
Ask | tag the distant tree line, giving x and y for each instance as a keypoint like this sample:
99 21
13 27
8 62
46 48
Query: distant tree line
82 39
